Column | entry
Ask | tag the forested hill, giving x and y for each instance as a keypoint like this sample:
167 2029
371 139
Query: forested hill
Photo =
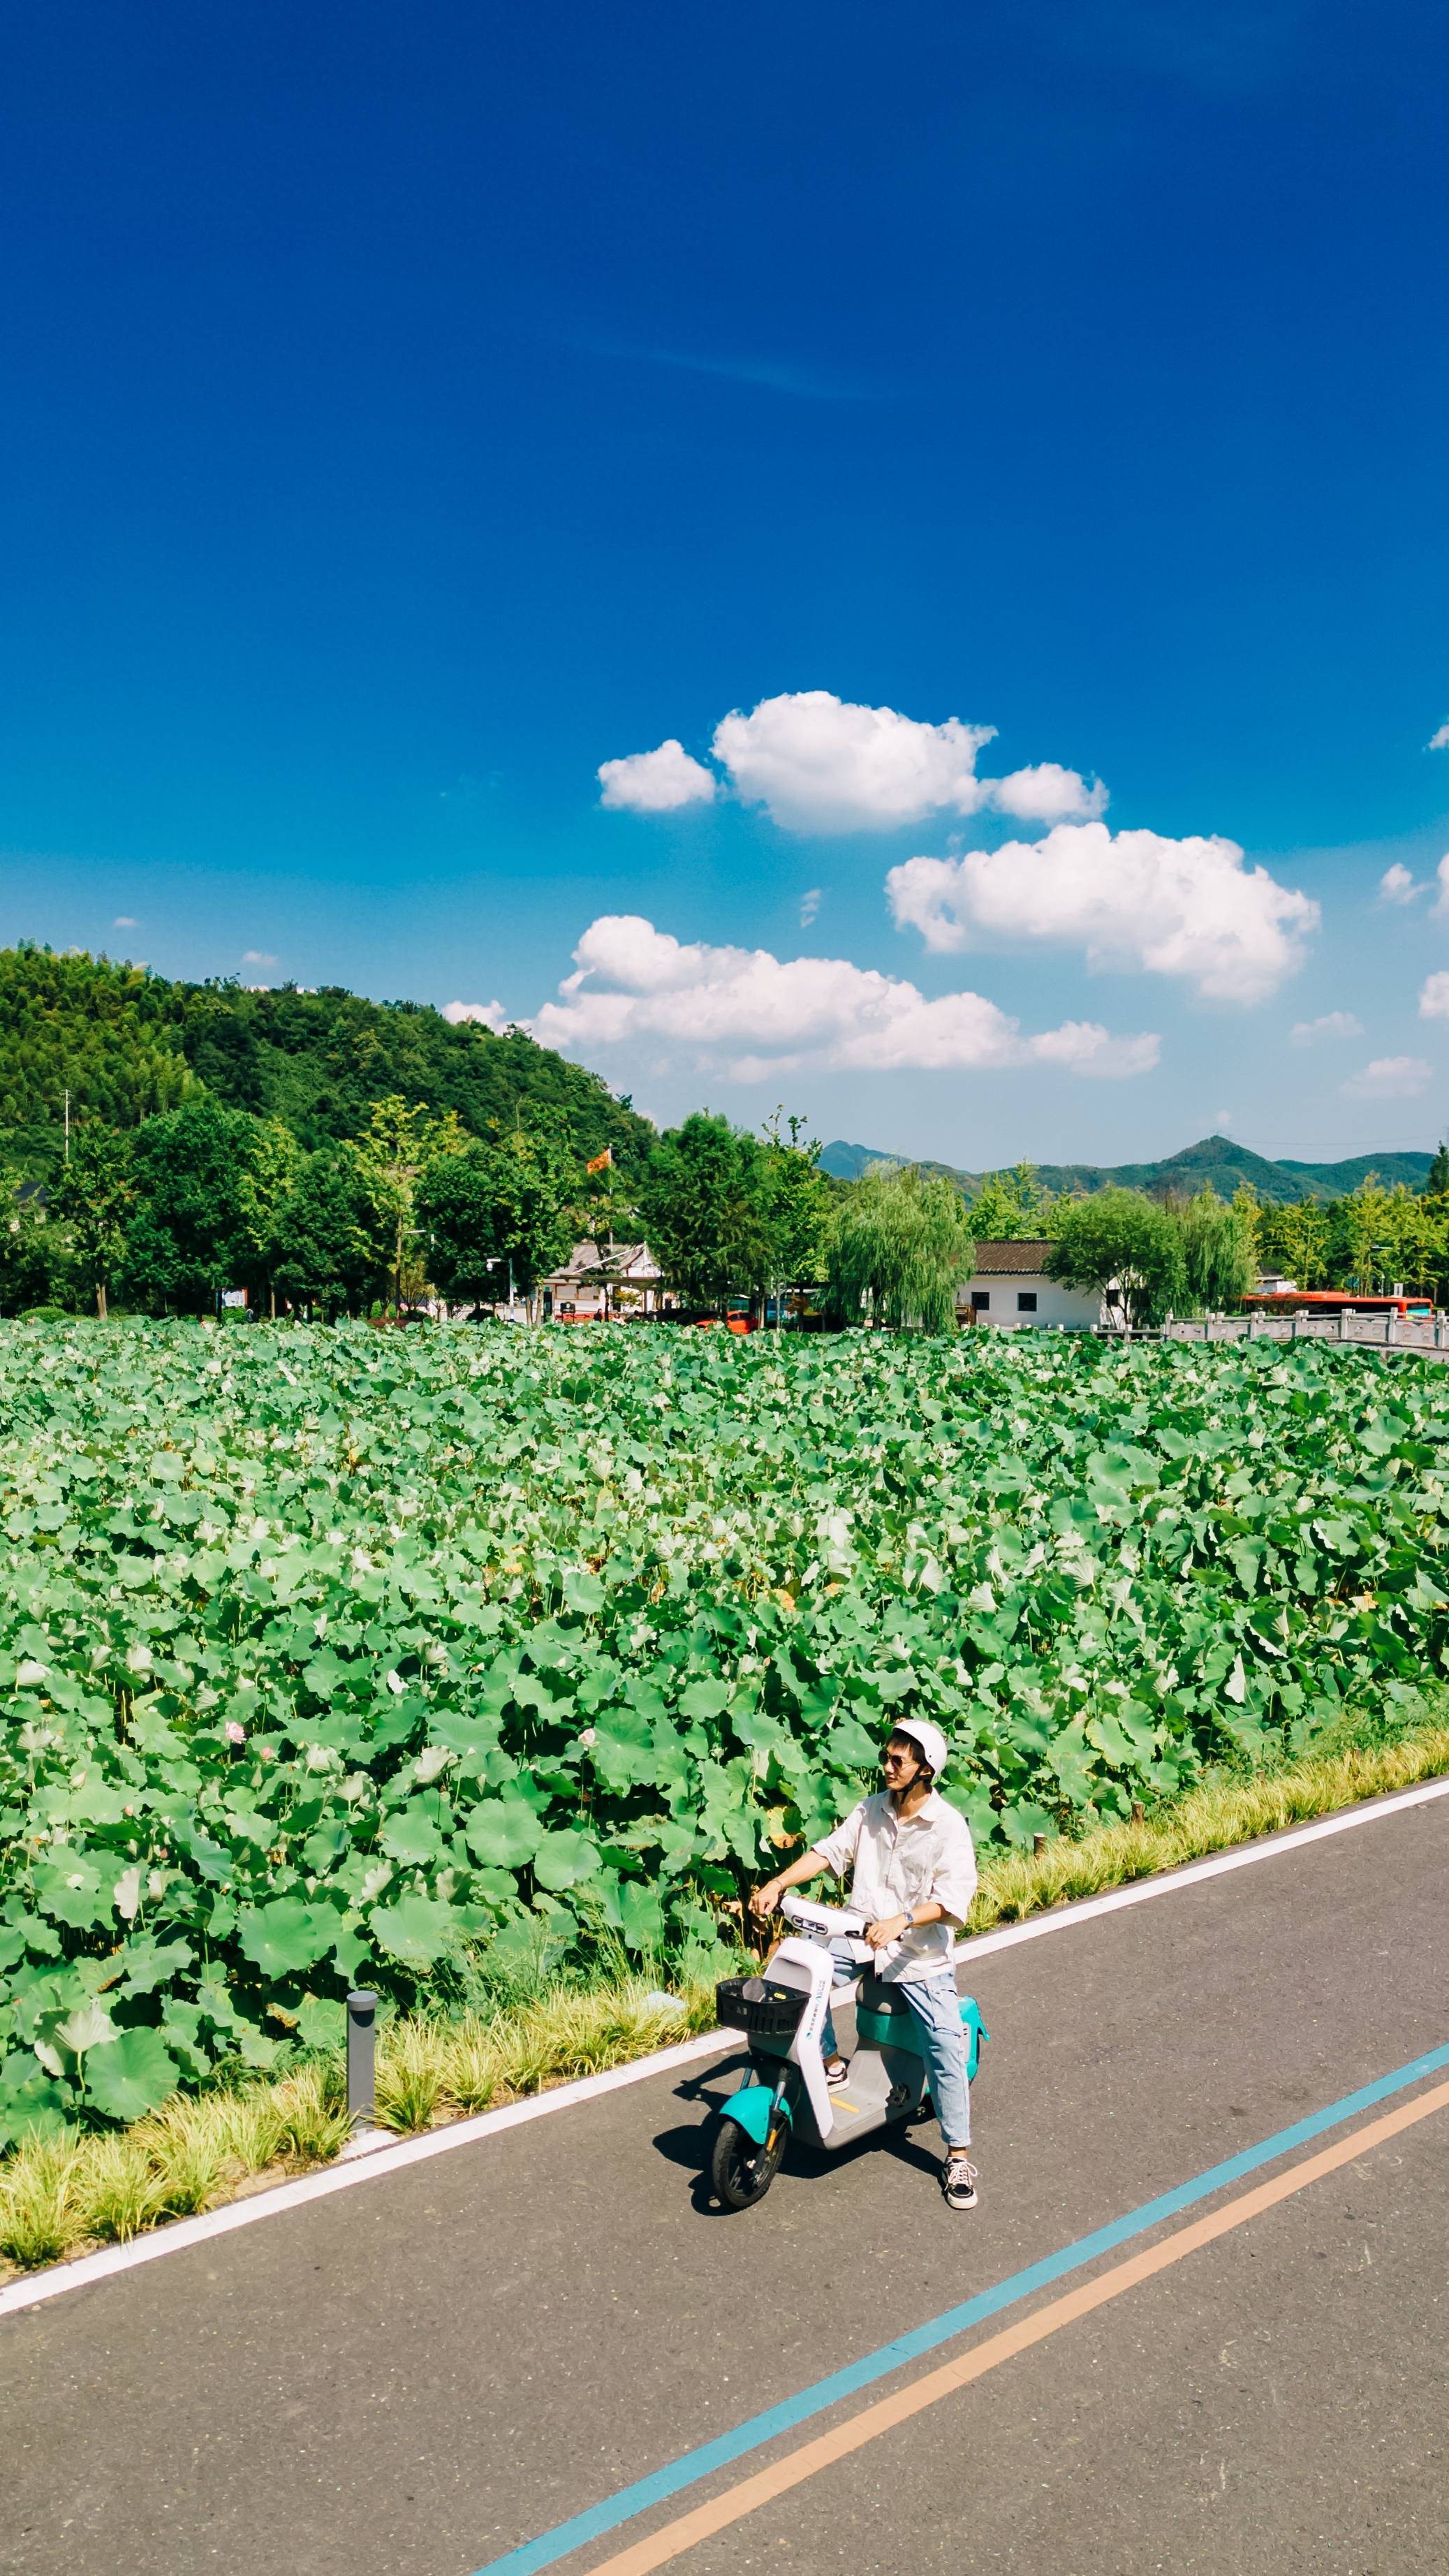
126 1043
1214 1158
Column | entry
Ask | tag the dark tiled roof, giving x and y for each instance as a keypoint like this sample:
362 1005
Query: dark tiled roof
1008 1260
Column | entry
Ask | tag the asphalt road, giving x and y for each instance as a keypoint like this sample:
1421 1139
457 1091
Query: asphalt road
417 2375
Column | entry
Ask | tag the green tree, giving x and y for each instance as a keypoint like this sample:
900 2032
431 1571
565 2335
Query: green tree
400 1141
94 1195
190 1235
27 1251
902 1245
1294 1239
701 1212
1125 1247
332 1237
1012 1205
268 1182
505 1210
794 1209
457 1207
1219 1260
1436 1179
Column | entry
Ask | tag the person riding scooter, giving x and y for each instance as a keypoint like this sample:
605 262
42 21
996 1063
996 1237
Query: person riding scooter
914 1877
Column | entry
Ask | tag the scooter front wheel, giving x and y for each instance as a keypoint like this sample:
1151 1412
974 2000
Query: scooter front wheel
740 2172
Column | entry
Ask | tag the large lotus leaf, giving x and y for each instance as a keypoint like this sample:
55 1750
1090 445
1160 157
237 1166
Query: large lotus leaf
563 1859
149 1964
849 1748
622 1750
704 1699
287 1935
321 2022
641 1916
72 1891
131 2074
417 1930
502 1833
411 1835
32 2103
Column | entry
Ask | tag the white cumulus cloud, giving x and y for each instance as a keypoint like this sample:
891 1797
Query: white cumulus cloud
258 957
760 1014
1333 1024
1188 908
818 764
1438 741
1434 997
656 782
1390 1077
488 1015
809 905
125 921
1046 794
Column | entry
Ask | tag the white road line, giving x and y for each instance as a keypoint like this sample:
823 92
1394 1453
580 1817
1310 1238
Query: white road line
1058 1919
184 2232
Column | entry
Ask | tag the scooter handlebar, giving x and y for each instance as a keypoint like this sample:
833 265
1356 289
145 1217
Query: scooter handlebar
834 1919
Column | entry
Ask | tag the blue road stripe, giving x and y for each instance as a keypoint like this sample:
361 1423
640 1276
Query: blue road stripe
822 2394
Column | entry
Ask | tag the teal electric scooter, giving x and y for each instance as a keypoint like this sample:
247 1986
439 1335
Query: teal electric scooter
784 2094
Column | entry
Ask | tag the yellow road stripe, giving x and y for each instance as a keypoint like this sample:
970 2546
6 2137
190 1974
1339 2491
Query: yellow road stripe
689 2529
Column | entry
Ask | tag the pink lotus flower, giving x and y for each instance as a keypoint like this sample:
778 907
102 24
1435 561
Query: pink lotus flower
235 1734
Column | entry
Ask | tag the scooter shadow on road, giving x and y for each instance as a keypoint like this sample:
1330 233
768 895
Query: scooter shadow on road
688 2145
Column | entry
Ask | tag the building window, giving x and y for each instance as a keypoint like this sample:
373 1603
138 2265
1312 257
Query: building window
1026 1301
980 1300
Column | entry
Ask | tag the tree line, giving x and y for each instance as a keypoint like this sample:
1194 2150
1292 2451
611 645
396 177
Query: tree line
200 1199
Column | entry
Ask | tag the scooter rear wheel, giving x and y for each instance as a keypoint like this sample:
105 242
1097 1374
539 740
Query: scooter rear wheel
740 2172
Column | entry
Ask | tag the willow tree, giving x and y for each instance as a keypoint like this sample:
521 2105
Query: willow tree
1218 1252
901 1248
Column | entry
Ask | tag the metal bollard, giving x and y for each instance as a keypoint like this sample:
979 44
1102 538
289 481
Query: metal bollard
361 2056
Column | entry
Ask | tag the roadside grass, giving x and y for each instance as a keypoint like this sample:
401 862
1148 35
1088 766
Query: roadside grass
60 2196
1228 1806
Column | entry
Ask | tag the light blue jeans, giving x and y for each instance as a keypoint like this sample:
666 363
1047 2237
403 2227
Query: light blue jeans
937 2008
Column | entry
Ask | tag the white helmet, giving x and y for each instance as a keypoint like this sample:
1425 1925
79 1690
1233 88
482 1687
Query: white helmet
928 1739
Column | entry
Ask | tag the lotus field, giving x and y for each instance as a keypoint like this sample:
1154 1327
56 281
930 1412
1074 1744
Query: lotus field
339 1655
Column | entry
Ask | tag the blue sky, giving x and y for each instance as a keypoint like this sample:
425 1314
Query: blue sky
405 414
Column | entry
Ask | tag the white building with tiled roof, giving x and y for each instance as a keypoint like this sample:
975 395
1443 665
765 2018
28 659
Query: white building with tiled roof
601 1279
1009 1288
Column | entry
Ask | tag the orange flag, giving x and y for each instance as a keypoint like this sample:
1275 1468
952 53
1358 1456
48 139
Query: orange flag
602 1162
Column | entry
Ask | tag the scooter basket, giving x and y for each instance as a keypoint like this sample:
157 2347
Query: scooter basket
765 2010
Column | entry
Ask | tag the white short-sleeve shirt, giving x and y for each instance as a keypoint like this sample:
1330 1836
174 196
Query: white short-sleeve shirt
901 1861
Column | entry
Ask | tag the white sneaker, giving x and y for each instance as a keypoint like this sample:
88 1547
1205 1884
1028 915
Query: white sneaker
958 2183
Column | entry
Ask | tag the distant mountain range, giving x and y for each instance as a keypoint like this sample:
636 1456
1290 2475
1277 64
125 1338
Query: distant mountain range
1214 1159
